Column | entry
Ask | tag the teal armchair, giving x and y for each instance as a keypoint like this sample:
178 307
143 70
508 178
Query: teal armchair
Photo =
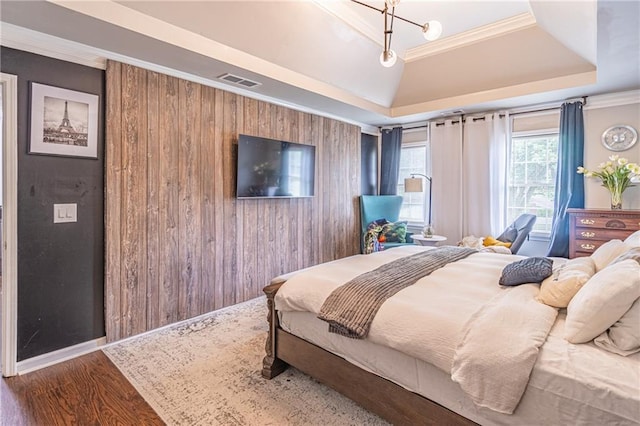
373 207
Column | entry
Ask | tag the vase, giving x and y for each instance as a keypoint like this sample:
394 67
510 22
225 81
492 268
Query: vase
427 231
616 200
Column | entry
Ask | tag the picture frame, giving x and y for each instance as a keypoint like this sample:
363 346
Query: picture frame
63 122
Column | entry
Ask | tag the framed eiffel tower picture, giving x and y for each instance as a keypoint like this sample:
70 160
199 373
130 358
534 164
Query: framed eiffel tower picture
63 122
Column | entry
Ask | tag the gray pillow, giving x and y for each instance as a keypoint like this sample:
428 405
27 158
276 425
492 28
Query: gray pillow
509 235
529 270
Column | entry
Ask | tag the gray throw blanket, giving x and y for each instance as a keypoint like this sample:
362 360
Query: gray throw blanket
350 309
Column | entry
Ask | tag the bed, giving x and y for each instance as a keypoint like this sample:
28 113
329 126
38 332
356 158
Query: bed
419 362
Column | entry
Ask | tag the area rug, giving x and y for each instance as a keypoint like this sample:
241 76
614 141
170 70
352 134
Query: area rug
207 372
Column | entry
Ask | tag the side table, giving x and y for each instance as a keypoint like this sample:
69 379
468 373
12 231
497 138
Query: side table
424 241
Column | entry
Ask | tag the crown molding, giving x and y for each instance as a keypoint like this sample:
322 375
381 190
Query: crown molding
613 99
485 32
343 12
27 40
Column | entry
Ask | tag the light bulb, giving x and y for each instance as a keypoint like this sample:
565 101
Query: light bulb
390 59
392 3
432 30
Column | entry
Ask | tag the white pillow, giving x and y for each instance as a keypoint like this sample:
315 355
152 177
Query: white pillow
632 253
607 252
602 301
633 240
623 338
559 288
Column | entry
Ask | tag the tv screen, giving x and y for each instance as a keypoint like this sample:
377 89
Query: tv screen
272 168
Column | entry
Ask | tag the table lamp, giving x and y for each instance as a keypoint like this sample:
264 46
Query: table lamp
414 184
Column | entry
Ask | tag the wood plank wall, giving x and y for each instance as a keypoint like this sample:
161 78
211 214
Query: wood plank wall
178 242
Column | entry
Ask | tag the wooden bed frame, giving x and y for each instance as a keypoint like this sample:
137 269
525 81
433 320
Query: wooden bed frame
378 395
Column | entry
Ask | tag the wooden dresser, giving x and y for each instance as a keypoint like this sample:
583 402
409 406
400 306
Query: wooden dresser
590 228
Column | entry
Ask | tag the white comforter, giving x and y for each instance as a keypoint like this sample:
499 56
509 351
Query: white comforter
427 320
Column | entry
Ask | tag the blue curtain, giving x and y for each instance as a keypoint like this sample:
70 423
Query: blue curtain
569 184
390 160
368 164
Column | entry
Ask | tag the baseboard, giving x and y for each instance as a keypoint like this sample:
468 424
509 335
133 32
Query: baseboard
55 357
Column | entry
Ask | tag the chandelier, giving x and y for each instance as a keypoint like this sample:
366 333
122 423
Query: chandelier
431 30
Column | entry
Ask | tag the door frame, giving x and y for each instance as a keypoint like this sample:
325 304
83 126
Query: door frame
9 86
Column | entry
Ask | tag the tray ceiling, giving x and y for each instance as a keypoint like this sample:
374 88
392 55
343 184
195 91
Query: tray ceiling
324 55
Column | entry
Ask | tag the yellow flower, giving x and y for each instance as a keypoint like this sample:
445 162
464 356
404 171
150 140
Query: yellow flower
616 175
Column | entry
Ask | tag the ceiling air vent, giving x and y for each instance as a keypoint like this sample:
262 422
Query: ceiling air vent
240 81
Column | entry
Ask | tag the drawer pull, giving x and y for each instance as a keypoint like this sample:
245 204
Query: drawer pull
587 246
587 221
615 224
588 234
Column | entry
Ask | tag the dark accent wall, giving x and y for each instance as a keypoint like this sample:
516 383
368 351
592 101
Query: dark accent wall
369 164
60 266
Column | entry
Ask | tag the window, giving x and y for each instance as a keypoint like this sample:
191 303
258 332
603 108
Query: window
531 178
294 170
413 159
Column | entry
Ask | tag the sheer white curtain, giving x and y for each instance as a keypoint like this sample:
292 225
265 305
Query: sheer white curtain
485 146
446 172
500 147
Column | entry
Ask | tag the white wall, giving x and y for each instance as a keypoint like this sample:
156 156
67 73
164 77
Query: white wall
596 121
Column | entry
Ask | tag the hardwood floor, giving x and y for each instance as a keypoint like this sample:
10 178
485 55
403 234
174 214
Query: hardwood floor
88 390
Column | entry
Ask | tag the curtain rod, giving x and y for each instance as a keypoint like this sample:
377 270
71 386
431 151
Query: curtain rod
532 111
583 99
529 111
424 126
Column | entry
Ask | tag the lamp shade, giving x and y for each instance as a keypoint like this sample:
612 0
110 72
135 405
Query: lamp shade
432 30
413 185
388 58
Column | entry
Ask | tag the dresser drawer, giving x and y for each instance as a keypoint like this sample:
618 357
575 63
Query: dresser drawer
623 223
586 247
599 234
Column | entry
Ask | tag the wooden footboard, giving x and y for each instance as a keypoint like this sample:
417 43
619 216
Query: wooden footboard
271 364
378 395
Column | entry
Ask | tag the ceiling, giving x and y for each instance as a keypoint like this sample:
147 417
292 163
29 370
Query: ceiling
323 55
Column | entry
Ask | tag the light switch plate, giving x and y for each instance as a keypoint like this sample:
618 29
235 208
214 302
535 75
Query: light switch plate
65 213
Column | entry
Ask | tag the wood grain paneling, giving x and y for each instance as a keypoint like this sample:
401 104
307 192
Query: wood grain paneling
208 154
113 202
178 242
168 201
190 200
133 219
153 184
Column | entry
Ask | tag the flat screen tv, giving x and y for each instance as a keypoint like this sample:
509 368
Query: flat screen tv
269 168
